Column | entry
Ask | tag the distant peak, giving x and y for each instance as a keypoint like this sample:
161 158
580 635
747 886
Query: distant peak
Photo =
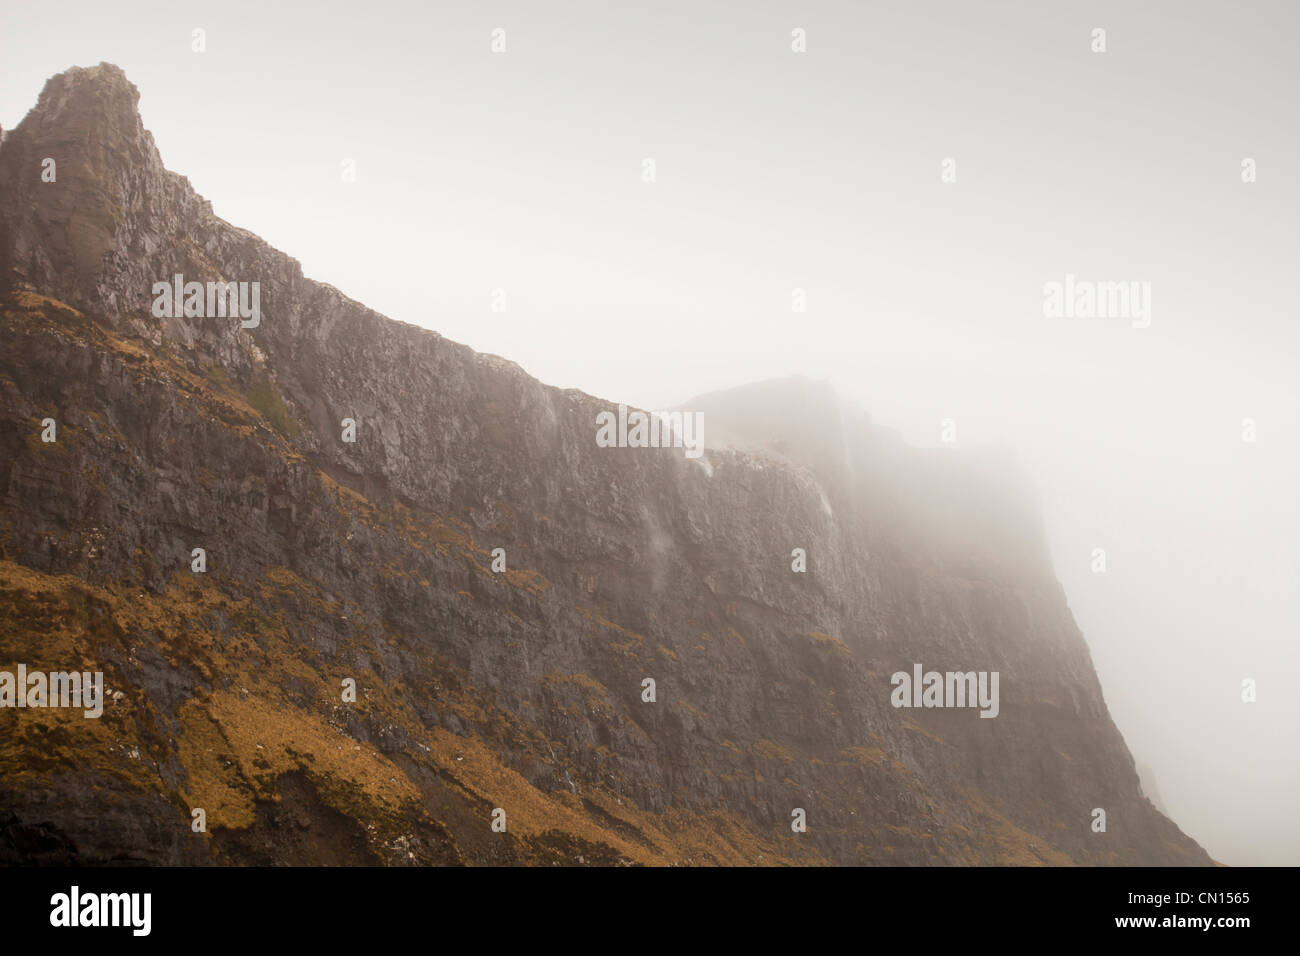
797 388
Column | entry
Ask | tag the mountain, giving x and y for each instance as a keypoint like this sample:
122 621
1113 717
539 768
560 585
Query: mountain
480 689
1151 788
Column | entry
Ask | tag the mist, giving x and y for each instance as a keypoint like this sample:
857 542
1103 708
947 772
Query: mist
913 180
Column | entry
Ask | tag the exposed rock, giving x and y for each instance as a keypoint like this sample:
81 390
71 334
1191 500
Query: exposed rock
479 690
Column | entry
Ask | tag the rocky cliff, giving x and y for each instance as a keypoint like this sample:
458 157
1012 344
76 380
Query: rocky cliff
479 688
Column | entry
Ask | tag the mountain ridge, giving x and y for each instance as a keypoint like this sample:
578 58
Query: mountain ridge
479 690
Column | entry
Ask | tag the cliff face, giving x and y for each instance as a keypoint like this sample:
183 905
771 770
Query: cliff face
476 690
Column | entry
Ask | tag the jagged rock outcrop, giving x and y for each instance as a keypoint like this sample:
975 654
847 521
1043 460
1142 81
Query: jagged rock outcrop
476 690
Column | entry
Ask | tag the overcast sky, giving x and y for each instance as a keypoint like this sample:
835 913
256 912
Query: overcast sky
774 171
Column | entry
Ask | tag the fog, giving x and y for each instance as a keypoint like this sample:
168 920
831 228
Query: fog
774 171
